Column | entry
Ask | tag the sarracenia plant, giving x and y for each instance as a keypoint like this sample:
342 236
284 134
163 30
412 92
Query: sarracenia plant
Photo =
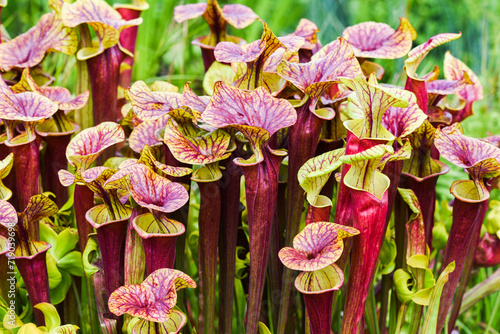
367 142
128 37
217 18
257 115
453 70
312 79
160 196
315 250
414 83
152 302
481 161
111 218
56 131
274 93
29 108
104 56
30 254
152 105
190 144
81 152
256 63
487 253
421 172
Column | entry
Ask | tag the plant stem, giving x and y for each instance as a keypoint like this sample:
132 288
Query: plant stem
303 141
209 217
228 234
261 187
26 163
384 302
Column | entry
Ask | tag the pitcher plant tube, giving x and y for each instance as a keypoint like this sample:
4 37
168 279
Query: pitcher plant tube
481 161
30 255
104 56
257 115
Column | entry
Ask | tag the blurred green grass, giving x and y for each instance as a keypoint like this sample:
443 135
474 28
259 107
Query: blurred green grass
164 51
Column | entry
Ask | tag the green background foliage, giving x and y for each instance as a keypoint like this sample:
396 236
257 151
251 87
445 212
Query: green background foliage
164 52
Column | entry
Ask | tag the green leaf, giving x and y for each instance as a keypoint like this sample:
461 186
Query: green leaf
91 248
30 329
52 319
146 225
8 323
205 148
5 167
403 281
55 277
39 207
72 263
263 329
58 294
175 322
66 242
363 173
468 191
421 164
66 329
47 234
431 316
